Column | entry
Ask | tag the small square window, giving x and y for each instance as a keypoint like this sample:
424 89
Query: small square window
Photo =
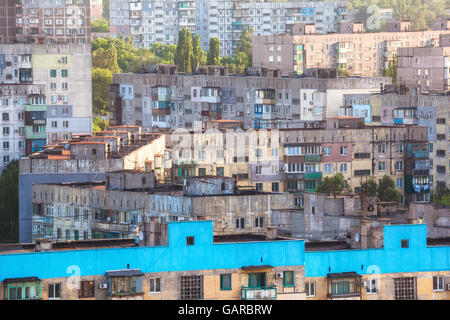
405 243
288 279
190 241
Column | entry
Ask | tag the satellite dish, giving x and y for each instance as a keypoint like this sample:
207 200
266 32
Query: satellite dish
141 235
357 237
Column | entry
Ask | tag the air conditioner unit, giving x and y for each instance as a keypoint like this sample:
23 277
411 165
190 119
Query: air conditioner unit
364 283
279 275
448 286
103 285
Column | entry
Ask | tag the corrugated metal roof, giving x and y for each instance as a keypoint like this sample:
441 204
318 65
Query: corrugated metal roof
26 279
124 273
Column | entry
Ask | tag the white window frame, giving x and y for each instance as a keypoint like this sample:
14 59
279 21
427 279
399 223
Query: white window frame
308 292
372 286
153 279
54 284
440 280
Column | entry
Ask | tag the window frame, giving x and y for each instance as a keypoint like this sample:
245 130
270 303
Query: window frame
54 291
155 281
308 286
285 284
222 287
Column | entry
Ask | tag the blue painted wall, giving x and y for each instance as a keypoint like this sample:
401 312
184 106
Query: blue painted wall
175 257
363 111
390 259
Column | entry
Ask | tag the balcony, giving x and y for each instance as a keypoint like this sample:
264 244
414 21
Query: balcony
111 227
313 158
313 175
421 154
43 219
262 293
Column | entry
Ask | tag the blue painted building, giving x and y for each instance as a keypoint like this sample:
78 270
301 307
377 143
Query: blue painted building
239 270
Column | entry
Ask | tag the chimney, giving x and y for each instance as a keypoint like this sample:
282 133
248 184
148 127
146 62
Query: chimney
271 233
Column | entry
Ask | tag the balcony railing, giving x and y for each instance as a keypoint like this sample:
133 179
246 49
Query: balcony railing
261 293
313 158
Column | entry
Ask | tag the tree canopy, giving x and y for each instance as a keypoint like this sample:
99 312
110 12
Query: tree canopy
9 203
387 191
100 25
213 56
332 185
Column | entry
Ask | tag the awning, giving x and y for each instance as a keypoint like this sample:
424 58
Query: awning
343 275
247 268
125 273
16 280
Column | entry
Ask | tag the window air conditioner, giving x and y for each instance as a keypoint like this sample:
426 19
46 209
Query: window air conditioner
279 275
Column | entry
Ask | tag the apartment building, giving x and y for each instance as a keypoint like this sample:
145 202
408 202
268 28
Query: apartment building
64 101
45 22
243 268
362 54
160 21
261 99
22 107
86 159
114 210
96 9
424 70
429 111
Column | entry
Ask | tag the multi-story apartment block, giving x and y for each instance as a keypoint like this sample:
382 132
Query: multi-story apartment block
429 111
96 10
7 21
47 22
151 21
424 70
63 104
98 211
162 98
363 54
245 268
86 159
23 112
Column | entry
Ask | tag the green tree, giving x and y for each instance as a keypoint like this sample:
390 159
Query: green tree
101 82
106 59
369 188
98 124
245 46
9 204
166 52
213 56
100 25
332 185
391 70
387 191
183 52
142 59
198 55
230 63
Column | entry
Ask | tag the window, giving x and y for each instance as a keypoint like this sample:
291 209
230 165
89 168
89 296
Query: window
405 243
327 151
381 166
189 241
399 182
371 286
240 223
343 167
438 283
288 279
225 282
87 289
257 280
53 73
5 116
155 285
399 165
275 187
343 151
381 148
258 170
310 288
405 288
259 222
191 287
327 167
64 73
23 290
259 187
54 291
